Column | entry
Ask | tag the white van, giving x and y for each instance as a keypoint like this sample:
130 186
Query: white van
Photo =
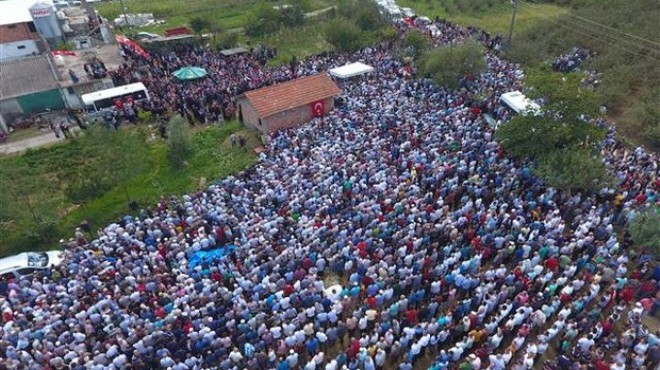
25 264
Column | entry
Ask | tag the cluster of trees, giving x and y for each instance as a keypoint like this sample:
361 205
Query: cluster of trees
561 142
448 65
356 24
265 19
222 38
645 230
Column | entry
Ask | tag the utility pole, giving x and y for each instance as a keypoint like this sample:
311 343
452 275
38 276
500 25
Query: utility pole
513 21
123 10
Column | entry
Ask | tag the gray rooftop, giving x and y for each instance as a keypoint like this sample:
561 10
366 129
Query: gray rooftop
24 76
234 51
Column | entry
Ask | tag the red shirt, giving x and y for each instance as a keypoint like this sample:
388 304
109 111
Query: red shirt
602 365
371 301
627 294
411 316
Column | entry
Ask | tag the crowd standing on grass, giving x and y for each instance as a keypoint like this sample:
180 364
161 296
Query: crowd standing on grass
571 61
450 255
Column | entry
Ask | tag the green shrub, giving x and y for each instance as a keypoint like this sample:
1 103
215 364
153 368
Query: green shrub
144 116
343 34
179 146
447 65
645 230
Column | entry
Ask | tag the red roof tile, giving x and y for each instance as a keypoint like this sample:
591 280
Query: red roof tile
281 97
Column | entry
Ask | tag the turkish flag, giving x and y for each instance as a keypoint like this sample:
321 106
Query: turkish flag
318 108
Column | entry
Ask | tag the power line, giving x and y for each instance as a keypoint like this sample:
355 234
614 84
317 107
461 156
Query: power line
613 37
593 35
570 14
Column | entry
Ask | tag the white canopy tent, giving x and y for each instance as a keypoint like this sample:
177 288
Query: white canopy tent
519 102
351 70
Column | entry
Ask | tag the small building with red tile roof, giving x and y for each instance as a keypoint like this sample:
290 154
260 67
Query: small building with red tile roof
287 104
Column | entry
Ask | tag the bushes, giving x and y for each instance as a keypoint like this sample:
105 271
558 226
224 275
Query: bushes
265 19
226 40
343 35
645 230
417 43
179 146
199 25
357 24
647 113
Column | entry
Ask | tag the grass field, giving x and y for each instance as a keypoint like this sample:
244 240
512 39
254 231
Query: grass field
492 15
43 175
227 13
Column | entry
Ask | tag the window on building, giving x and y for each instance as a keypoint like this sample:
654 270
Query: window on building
31 27
11 26
21 47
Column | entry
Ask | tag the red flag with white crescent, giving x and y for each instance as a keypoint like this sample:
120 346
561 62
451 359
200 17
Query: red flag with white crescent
318 108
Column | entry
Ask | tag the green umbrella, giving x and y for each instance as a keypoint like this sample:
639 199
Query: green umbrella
190 73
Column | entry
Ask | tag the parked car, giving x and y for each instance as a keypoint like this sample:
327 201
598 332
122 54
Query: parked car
25 264
146 36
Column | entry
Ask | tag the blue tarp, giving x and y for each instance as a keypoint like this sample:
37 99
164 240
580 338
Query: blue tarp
209 255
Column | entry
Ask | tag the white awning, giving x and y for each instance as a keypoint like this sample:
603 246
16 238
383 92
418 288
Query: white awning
519 102
351 70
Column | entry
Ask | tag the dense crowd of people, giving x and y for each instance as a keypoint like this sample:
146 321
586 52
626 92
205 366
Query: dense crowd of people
443 252
206 100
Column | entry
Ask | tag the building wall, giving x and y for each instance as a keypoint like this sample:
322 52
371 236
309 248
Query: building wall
295 116
11 110
41 101
18 32
18 49
282 120
250 116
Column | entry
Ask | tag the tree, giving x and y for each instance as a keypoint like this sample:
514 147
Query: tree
448 65
292 16
417 43
227 40
179 145
263 20
368 17
645 230
564 94
563 122
343 35
535 136
573 169
199 25
216 29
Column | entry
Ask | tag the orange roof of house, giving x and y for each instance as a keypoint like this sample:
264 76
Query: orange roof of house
284 96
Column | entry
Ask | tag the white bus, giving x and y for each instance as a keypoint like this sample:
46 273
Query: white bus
105 99
520 103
